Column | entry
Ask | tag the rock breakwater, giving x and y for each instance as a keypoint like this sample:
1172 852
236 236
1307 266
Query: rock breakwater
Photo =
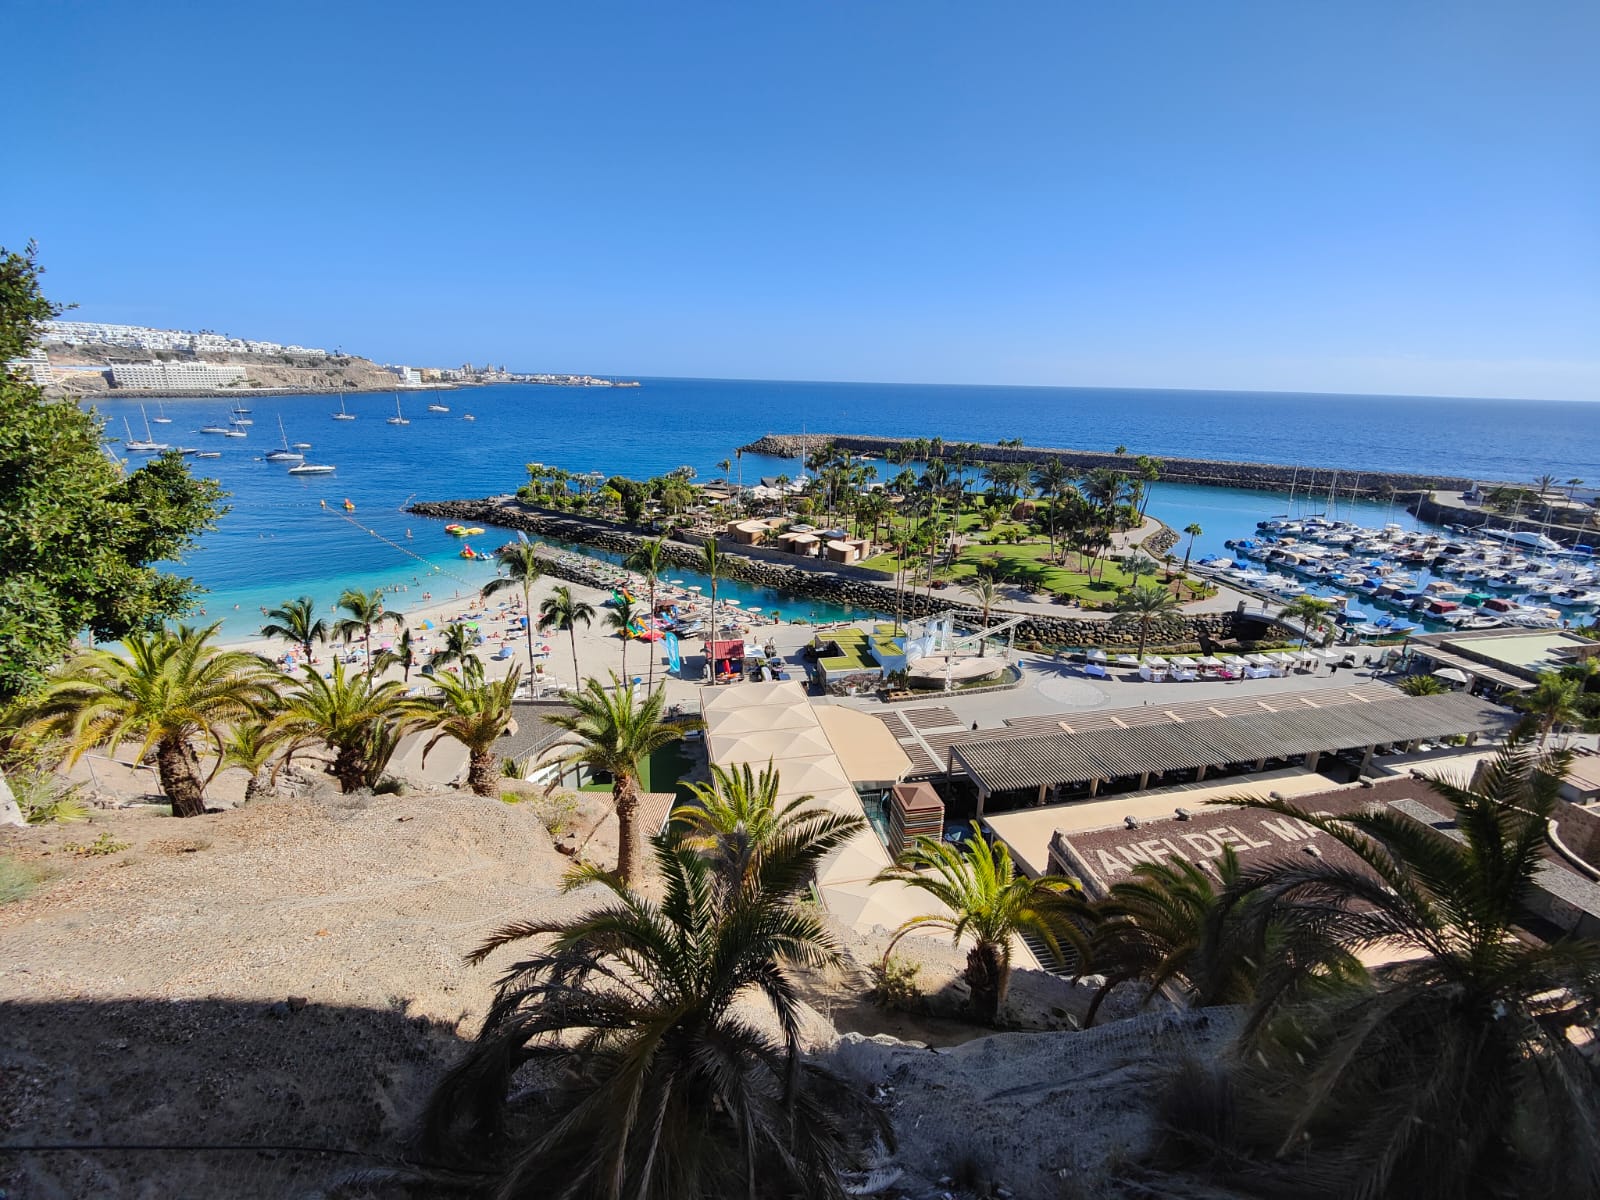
846 587
1271 477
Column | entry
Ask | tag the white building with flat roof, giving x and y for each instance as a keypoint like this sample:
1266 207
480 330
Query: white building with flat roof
409 376
33 366
140 337
175 376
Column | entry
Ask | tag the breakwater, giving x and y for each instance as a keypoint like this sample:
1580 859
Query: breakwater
850 587
1267 477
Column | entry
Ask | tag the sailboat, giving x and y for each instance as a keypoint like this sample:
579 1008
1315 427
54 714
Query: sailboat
397 419
341 415
163 419
149 445
285 454
437 407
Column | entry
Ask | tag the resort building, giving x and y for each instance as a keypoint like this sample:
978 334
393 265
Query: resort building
34 367
175 376
408 376
140 337
1495 661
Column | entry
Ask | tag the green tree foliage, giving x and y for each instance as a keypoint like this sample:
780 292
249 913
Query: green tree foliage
614 735
474 713
563 610
78 532
296 622
1145 604
522 566
666 1091
163 692
361 724
1458 1073
1423 685
985 898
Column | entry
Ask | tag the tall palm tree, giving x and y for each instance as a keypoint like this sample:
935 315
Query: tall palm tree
1311 611
1052 478
1145 604
522 570
365 611
615 735
985 591
989 901
474 714
1554 700
711 565
1457 1074
165 691
562 610
738 823
648 561
1193 530
361 723
667 1091
622 616
251 745
296 622
402 654
459 643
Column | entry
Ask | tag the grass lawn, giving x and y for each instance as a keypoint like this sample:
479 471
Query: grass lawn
658 773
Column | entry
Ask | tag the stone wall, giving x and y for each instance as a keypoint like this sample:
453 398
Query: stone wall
848 587
1211 472
1545 521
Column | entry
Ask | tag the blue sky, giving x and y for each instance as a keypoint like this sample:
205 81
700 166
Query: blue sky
1382 197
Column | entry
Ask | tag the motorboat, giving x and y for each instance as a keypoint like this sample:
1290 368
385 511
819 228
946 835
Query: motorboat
208 453
398 418
312 469
468 417
301 445
222 429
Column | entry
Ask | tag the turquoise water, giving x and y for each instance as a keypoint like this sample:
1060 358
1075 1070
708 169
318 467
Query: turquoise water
280 541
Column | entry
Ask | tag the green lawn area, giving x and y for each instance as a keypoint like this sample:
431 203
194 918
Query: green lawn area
658 773
1024 564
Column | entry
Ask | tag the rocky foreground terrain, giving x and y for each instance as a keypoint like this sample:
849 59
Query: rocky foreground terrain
255 1003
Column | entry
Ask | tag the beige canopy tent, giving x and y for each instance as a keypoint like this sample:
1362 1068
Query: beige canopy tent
866 748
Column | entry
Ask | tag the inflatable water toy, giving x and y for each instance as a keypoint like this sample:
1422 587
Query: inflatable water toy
456 530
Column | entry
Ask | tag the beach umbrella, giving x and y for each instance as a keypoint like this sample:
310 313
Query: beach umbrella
1210 660
427 624
1233 660
1155 660
1184 661
1452 674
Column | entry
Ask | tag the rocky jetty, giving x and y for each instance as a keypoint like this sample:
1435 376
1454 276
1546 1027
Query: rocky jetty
848 587
1269 477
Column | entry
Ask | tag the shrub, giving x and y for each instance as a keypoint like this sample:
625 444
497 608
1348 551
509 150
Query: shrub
894 984
18 879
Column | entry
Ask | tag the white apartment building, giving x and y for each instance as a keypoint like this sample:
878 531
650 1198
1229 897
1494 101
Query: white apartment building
174 376
140 337
409 376
34 366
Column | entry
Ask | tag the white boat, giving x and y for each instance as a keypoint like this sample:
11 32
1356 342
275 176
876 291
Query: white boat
240 410
437 407
222 429
312 469
163 419
341 415
468 417
285 454
234 433
134 445
398 418
301 445
208 453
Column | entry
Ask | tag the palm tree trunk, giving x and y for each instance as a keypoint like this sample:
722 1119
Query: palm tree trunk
350 768
179 771
650 624
986 978
527 628
630 856
624 654
255 788
1144 633
366 633
482 777
572 632
711 646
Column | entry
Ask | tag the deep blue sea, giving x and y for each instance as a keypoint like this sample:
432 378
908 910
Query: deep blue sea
280 541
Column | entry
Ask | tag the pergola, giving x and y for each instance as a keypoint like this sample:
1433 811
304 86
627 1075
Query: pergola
1040 762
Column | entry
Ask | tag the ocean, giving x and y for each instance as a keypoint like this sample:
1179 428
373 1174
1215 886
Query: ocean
287 537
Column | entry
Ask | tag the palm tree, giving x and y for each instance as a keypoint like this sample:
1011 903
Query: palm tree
365 611
1052 478
648 560
1193 530
987 899
985 591
403 654
165 690
615 736
622 617
667 1090
459 643
1457 1074
295 621
1310 611
737 822
360 723
711 565
562 610
1145 604
522 570
1572 485
250 745
474 714
1554 700
1423 685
